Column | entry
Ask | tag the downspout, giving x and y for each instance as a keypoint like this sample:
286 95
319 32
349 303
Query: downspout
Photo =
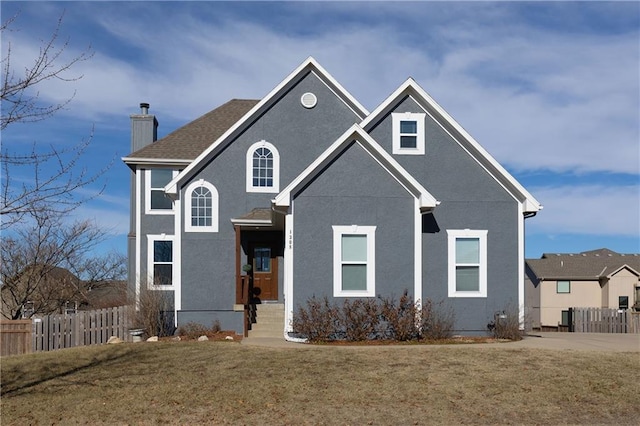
285 333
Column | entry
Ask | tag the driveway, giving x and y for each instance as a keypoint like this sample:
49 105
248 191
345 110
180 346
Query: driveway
600 342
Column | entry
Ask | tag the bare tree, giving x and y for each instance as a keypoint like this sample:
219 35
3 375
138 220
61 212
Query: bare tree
56 175
49 263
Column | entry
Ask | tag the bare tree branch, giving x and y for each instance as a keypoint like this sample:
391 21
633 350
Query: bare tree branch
19 92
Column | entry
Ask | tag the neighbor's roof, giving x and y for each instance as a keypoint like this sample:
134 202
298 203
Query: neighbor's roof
587 265
190 140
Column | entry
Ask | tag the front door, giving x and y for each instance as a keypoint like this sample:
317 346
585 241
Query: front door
265 271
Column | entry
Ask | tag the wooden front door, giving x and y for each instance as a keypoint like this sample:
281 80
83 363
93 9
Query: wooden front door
265 271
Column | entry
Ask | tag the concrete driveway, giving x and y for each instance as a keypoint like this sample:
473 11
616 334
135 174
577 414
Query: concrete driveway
601 342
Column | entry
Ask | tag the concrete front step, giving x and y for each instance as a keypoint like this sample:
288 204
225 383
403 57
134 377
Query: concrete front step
269 321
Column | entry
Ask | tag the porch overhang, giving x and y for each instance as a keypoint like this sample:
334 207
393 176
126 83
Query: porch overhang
259 217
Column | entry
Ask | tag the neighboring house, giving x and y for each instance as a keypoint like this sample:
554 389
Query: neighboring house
591 279
309 194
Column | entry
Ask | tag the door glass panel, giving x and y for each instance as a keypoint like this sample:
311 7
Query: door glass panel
262 259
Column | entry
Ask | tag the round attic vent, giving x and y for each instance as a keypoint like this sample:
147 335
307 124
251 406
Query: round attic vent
309 100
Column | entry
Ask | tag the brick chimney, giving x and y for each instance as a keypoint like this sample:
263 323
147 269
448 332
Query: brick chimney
144 128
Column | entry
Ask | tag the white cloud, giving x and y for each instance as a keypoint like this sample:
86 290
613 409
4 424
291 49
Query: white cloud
590 210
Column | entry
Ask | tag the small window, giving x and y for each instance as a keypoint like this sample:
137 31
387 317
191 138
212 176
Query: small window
623 302
565 319
157 202
161 257
201 207
263 168
354 261
467 263
408 133
563 287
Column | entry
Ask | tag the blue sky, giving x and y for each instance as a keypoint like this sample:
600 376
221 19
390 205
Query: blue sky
551 90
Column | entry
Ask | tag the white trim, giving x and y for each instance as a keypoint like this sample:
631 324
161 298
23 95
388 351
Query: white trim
338 232
138 254
419 118
288 273
309 64
453 235
355 132
175 260
457 132
147 193
275 188
521 271
417 253
156 161
177 263
215 207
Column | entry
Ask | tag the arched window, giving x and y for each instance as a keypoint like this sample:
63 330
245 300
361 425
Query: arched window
263 168
201 207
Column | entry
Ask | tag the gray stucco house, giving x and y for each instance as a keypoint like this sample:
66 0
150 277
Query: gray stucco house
306 193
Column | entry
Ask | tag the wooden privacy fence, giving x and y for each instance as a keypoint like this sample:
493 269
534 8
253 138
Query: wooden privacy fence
15 337
603 320
80 329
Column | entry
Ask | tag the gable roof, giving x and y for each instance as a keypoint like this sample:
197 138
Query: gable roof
587 265
468 143
190 140
308 66
355 132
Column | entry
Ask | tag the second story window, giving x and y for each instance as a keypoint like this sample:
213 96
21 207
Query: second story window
263 168
201 207
408 133
157 201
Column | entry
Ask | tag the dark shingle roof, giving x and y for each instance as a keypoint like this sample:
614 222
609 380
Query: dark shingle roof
592 264
190 140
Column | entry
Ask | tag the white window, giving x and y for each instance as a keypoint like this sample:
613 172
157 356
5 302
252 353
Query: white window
263 168
156 201
467 263
160 264
354 261
201 207
408 133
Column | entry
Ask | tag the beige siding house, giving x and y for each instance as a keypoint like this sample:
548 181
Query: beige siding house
592 279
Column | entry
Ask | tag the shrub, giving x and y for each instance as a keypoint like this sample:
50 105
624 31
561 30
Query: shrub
193 330
154 314
359 319
506 325
436 320
318 322
400 320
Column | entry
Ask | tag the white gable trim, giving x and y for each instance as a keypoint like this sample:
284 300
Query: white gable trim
309 65
426 200
625 266
411 88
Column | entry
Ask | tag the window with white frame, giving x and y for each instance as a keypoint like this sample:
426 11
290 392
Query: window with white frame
201 207
408 133
156 201
263 168
161 268
354 261
467 252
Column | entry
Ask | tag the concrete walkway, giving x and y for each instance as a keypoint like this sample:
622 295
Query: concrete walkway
553 341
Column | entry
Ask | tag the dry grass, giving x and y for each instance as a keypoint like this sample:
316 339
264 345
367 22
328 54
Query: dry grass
227 383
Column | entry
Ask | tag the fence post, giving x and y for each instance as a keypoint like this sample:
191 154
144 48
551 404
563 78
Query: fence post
570 321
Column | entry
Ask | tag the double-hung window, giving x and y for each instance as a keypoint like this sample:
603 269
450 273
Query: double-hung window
156 200
160 261
408 133
263 168
467 252
354 261
201 207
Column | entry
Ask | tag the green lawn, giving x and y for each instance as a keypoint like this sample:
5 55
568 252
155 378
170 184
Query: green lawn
228 383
